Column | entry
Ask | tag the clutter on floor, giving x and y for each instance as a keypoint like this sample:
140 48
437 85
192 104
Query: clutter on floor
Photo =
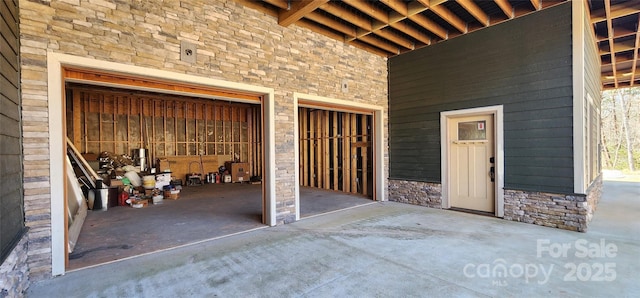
129 181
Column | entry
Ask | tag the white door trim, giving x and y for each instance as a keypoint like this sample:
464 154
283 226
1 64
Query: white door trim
55 63
343 105
497 112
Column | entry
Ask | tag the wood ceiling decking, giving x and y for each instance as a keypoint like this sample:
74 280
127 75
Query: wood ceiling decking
394 27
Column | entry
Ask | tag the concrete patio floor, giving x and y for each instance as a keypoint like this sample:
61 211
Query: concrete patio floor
388 250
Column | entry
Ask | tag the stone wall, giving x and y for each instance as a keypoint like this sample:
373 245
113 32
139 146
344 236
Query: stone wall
416 193
594 192
14 271
567 212
234 43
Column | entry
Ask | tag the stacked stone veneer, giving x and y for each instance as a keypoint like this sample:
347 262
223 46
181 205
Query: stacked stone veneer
570 212
594 192
416 193
14 272
234 43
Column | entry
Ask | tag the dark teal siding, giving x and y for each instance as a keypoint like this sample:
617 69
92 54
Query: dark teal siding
11 200
524 64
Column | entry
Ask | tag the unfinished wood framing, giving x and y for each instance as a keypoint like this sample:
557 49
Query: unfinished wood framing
119 121
334 150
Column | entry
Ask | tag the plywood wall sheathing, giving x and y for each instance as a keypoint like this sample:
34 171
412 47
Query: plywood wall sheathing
117 121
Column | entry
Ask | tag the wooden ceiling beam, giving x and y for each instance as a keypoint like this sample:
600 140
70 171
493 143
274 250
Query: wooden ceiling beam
607 5
618 33
369 48
401 41
635 55
625 74
319 29
615 11
283 4
369 9
380 44
475 11
346 15
619 60
449 17
537 4
414 8
298 10
506 7
606 49
417 34
430 25
397 5
319 18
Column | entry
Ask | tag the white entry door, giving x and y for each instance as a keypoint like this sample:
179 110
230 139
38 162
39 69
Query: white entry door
472 163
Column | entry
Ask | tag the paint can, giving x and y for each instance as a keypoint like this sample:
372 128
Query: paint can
149 182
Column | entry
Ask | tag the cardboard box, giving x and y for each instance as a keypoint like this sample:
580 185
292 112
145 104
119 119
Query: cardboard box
163 165
116 183
140 203
239 171
172 194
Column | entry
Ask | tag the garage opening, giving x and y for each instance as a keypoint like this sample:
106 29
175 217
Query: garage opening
210 148
336 160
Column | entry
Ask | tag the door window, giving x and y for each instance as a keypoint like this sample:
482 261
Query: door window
472 130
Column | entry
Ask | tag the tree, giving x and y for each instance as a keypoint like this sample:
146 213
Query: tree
621 127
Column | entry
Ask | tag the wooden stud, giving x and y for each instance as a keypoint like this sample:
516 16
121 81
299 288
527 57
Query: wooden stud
320 148
312 149
77 120
346 152
354 155
303 147
325 141
363 151
335 150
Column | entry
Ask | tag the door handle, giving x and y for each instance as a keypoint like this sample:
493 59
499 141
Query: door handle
492 173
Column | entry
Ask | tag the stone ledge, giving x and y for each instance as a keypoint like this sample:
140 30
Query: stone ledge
568 212
416 193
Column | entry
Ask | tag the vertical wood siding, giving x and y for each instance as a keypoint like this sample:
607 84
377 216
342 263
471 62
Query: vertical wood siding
523 64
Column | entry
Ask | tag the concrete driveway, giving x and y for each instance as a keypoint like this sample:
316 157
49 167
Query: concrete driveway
388 250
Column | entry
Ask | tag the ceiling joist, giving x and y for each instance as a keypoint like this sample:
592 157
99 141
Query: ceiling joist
475 11
615 11
607 7
298 10
393 27
450 17
506 8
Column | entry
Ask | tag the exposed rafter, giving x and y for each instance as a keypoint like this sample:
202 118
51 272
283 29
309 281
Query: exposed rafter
506 8
615 11
298 10
537 4
475 11
607 7
450 17
393 27
635 55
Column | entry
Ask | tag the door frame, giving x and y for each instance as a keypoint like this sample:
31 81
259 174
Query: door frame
56 62
497 112
334 104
